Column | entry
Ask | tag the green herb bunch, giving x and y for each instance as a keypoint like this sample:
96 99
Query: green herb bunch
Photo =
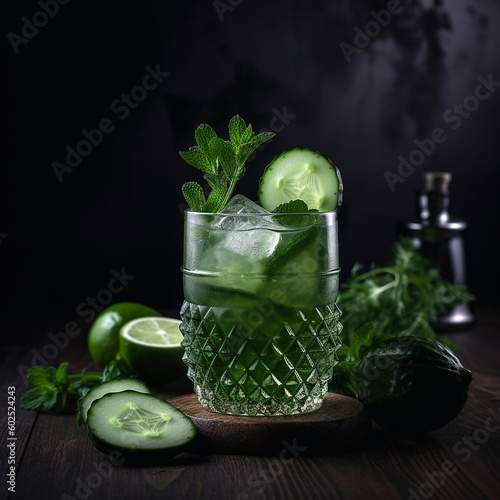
57 391
223 163
402 298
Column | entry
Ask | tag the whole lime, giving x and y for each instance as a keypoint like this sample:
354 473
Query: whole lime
412 384
104 335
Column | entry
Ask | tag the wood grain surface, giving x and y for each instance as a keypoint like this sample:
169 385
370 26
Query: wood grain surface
340 421
55 459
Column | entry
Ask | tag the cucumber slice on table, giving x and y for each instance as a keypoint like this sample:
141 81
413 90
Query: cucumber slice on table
100 390
141 426
301 174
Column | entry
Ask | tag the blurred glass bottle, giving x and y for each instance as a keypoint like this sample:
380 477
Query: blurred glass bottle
441 239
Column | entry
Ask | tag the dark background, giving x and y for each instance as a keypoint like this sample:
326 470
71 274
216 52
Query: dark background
121 207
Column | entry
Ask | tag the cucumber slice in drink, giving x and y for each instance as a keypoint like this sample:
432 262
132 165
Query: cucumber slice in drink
100 390
303 174
140 426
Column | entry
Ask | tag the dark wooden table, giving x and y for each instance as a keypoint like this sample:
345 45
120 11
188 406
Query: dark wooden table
54 458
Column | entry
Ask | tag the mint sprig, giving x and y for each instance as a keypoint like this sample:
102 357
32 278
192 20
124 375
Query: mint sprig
223 163
292 207
55 390
59 392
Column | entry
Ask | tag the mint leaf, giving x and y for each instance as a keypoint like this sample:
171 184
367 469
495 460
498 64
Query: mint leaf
291 207
34 399
215 202
61 377
196 158
223 162
247 135
362 337
247 148
213 179
237 129
226 155
117 368
50 401
194 195
40 376
204 135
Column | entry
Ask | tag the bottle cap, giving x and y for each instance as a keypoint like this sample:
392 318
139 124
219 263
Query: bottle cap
437 181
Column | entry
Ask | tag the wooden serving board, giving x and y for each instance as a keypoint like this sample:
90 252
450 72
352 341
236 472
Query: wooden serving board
340 421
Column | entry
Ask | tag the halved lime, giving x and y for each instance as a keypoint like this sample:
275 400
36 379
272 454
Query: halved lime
152 347
103 338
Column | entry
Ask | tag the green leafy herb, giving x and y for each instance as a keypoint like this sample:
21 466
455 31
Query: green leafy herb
222 162
402 298
292 207
343 380
117 368
56 391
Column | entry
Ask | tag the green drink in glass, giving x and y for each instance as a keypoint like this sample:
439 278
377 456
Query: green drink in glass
259 320
260 323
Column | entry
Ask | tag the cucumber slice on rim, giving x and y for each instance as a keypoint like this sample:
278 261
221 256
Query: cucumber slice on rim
303 174
100 390
139 424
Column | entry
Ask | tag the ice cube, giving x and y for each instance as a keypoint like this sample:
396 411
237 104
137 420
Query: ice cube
240 204
242 238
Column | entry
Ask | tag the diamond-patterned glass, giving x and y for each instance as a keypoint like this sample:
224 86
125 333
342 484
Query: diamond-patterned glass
251 373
